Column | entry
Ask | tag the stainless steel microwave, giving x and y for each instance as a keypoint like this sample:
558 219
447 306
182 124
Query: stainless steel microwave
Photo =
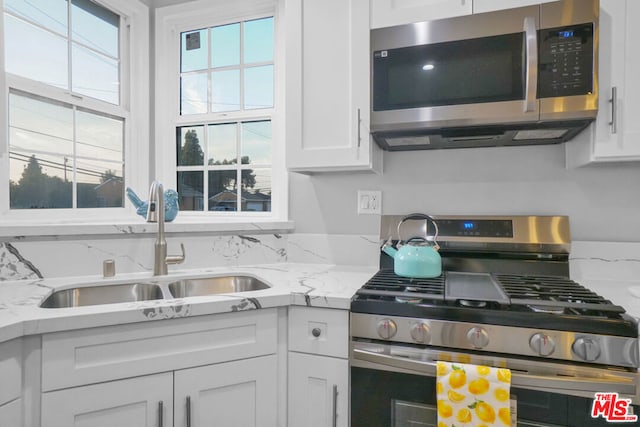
512 77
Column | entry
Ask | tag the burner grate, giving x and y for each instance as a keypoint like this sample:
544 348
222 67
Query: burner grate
555 293
386 285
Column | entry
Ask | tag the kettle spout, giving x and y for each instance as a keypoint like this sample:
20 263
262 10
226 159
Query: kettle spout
388 249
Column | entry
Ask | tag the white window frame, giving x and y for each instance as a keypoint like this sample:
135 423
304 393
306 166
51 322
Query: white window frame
170 22
134 57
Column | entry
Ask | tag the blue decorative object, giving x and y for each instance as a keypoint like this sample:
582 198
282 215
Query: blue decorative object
171 206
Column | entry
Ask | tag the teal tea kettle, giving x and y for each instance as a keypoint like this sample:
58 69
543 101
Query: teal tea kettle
415 257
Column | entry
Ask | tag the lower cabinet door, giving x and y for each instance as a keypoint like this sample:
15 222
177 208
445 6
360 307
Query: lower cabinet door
11 414
233 394
318 391
137 402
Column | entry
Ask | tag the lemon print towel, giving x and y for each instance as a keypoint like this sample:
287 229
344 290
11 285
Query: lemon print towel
472 395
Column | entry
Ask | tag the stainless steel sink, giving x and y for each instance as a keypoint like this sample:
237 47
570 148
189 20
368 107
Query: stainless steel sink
215 285
105 294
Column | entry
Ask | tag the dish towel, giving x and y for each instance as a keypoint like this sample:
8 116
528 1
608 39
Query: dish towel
472 395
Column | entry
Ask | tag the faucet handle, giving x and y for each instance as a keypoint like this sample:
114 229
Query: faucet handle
176 259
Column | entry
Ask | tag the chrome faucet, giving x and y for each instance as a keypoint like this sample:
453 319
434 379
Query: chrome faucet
155 213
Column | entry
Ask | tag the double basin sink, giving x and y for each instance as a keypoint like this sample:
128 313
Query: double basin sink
145 291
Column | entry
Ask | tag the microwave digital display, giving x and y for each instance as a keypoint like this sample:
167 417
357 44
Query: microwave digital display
566 61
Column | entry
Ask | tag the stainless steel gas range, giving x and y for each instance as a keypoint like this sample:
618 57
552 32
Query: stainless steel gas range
504 299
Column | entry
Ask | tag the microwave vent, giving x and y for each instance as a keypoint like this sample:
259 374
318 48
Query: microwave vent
538 134
405 141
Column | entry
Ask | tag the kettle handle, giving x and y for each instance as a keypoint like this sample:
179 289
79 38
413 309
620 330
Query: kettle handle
419 216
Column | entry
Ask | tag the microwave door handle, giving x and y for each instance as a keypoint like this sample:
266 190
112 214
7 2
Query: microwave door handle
531 51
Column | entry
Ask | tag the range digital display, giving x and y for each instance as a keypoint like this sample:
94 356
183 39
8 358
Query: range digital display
475 228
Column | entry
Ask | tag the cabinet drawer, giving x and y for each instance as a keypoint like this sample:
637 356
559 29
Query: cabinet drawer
107 353
10 370
319 331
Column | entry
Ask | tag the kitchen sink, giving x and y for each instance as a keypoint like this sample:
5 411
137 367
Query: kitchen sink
215 285
105 294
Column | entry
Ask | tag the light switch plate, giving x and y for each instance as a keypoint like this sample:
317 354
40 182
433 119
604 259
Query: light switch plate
369 202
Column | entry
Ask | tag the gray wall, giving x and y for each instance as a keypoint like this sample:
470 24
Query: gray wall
602 201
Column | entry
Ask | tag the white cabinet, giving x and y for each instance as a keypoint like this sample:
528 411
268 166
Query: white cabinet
619 68
11 383
225 366
328 101
138 402
234 394
387 13
320 391
480 6
11 413
318 367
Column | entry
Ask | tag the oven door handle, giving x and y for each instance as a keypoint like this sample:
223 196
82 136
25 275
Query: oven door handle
611 383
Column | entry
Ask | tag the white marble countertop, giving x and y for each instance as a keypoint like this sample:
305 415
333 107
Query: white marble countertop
316 285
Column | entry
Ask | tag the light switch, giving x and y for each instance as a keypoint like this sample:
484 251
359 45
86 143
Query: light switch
369 202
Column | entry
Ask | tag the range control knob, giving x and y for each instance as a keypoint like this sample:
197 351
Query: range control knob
542 344
420 332
387 328
478 337
587 349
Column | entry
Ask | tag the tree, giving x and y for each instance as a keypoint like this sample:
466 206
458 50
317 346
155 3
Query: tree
191 153
107 175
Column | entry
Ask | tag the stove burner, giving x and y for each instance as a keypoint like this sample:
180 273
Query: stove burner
409 298
546 309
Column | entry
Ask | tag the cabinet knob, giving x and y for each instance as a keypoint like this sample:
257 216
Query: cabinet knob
316 332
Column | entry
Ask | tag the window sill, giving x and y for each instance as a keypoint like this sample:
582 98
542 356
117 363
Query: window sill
20 230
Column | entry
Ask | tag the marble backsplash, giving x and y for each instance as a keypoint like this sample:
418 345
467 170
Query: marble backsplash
65 257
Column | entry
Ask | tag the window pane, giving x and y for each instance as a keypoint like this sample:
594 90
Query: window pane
258 87
258 40
225 90
95 26
99 137
50 14
223 144
95 75
193 94
223 195
191 191
256 190
100 184
41 182
225 45
35 54
39 127
256 142
189 148
193 52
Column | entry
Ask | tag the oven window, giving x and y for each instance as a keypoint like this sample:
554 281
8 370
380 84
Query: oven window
488 69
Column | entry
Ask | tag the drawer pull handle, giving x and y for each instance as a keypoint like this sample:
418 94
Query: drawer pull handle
160 413
316 332
188 411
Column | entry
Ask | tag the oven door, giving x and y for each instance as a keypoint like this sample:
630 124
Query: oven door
394 386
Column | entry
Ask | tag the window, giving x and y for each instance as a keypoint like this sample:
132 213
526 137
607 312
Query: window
224 155
70 113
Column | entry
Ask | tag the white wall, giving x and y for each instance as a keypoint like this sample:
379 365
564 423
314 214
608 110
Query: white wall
603 202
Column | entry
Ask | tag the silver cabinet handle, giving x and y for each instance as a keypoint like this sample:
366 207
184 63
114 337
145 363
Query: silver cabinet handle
614 109
160 413
531 84
335 405
188 411
359 124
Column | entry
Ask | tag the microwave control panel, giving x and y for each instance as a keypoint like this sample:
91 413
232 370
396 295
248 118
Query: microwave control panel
566 61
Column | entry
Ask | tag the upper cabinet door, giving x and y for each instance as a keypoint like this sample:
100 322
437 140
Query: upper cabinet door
328 86
615 136
480 6
387 13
